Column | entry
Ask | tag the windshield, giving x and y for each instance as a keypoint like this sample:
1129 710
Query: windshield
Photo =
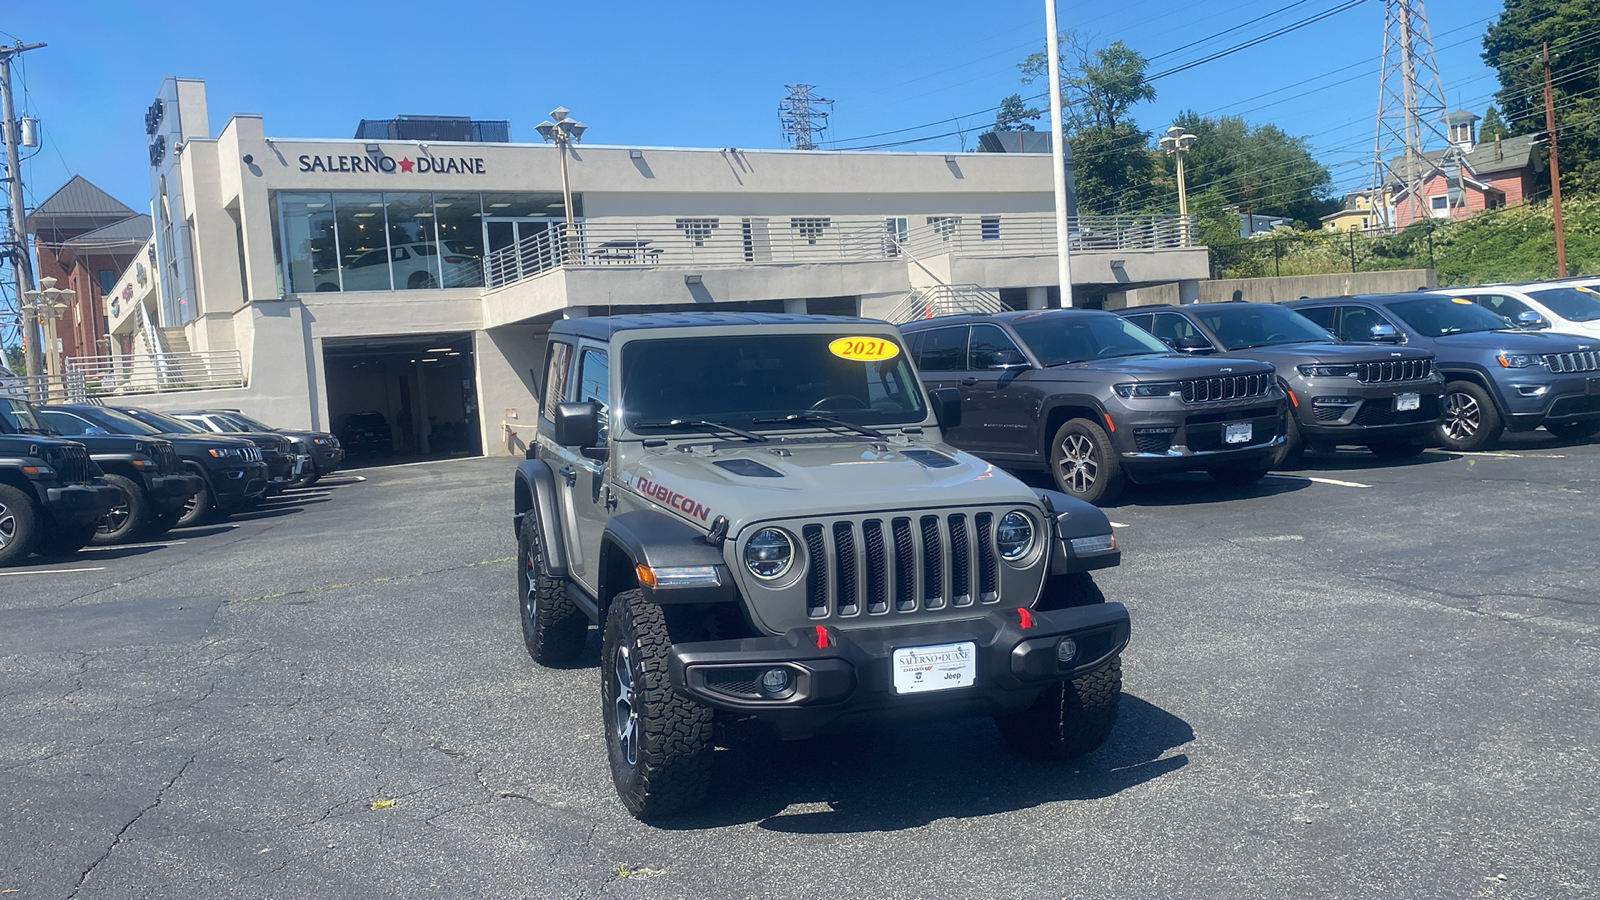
117 422
16 417
736 379
1058 339
1575 304
250 424
164 424
230 422
1259 325
1439 316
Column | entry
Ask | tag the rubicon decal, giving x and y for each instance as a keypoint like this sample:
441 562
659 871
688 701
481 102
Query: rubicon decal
668 497
422 165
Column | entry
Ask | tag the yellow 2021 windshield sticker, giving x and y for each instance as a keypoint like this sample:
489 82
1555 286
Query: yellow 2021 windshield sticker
865 349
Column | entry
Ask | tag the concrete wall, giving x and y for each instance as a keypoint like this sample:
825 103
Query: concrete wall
1277 290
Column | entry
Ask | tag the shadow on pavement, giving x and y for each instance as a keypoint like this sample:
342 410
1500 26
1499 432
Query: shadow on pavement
915 774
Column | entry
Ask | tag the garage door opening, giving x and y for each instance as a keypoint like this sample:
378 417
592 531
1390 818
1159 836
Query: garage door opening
403 399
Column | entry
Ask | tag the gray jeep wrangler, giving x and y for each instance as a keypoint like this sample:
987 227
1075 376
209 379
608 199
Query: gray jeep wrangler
760 514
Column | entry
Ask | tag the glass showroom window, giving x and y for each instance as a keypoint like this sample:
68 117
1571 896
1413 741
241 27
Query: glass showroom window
310 253
413 245
363 252
458 219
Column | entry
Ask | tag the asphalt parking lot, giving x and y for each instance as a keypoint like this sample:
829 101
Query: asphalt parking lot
1354 680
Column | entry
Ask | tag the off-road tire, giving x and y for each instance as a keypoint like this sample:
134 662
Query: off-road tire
1573 431
133 516
1067 591
1397 449
1084 463
63 540
1470 421
553 627
672 736
19 525
1070 718
200 509
161 523
1240 476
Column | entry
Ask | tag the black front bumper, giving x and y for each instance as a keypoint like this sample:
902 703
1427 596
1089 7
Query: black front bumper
1197 439
1358 419
168 492
236 485
80 504
850 678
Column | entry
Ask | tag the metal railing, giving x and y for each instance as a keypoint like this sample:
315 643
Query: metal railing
945 300
982 235
185 371
40 389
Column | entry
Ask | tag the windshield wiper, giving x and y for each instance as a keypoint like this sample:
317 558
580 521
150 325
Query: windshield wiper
703 425
819 417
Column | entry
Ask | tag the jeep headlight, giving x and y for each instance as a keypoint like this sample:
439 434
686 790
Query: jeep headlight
1013 537
1518 360
1148 389
769 554
1315 371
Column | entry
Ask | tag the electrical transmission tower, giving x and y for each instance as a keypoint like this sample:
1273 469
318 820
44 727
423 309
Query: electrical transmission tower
803 116
1411 113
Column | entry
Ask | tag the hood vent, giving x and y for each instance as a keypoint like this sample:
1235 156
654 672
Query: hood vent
929 458
748 468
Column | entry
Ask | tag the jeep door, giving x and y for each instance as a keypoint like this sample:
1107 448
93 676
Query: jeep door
581 480
1000 405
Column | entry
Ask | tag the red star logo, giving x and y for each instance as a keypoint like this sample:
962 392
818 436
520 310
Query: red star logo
406 164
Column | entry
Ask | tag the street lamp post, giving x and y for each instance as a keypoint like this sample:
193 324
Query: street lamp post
564 132
42 307
1178 142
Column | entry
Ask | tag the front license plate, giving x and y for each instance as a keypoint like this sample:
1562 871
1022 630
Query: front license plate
1407 402
1239 434
935 668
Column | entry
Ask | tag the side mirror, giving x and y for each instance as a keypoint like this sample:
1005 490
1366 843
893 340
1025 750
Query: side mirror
946 407
1530 319
1189 343
577 424
1009 359
1384 333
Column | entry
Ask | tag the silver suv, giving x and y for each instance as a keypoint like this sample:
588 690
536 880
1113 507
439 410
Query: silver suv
760 514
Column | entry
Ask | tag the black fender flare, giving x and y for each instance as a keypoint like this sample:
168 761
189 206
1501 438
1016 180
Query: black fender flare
1066 401
1072 518
536 496
646 537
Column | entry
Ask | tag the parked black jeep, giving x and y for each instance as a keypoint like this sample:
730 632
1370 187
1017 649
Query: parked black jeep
154 483
51 499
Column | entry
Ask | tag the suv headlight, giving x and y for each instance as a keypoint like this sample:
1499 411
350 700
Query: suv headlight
1013 537
769 554
1316 371
1148 389
229 452
1519 360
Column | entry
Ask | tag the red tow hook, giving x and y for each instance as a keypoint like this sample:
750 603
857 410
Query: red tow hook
1025 616
822 636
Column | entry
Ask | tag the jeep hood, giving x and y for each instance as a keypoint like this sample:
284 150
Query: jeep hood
1287 356
1164 368
751 482
1514 342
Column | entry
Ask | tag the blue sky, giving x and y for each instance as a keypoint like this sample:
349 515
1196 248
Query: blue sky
706 73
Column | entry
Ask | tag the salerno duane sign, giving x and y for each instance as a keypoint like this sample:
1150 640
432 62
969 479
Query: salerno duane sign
422 165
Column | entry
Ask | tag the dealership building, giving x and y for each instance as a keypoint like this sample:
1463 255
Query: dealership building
412 271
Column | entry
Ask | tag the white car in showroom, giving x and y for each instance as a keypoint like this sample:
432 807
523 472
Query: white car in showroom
1566 307
415 266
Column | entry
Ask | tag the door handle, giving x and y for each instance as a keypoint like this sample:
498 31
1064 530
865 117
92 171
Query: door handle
968 382
570 474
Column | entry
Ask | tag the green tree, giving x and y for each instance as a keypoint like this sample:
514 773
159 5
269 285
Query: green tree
1256 168
1014 115
16 361
1112 165
1492 125
1512 47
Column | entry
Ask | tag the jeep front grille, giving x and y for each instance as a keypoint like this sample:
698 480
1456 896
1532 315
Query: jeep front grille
1394 370
71 462
901 564
167 459
1581 361
1227 387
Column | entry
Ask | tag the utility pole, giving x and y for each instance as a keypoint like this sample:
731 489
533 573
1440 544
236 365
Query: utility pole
1058 158
22 264
1410 109
1555 168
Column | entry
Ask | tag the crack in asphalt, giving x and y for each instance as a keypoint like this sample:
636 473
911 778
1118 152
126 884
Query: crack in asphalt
117 838
381 579
172 565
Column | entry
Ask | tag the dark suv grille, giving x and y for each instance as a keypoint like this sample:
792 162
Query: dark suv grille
1228 387
71 463
1581 361
903 564
1394 370
167 459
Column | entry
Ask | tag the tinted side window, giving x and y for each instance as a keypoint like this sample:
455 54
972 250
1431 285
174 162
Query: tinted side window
65 423
1175 328
1322 315
1143 320
986 343
556 368
594 380
944 349
1500 304
1355 323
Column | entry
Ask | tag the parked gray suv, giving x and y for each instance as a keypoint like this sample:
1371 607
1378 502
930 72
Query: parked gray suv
1386 399
761 515
1496 378
1097 401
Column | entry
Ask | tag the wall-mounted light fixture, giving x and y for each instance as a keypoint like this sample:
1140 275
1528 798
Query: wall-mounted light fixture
1118 263
691 279
249 160
636 154
949 159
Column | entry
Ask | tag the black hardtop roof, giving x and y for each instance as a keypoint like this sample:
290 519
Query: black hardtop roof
1380 299
603 327
1013 315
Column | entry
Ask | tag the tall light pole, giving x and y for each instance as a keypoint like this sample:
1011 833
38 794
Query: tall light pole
1178 142
1058 157
564 132
43 306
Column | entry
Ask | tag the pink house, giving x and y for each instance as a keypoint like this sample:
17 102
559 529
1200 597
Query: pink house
1470 176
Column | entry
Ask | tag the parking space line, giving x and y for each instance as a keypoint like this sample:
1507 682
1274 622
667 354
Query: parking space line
1333 481
54 571
1503 454
131 546
1118 525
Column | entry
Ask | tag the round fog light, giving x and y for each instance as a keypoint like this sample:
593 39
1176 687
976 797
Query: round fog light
1066 650
776 681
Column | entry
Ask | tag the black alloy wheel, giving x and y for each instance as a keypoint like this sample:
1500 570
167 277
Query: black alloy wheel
125 520
19 525
1470 420
200 508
